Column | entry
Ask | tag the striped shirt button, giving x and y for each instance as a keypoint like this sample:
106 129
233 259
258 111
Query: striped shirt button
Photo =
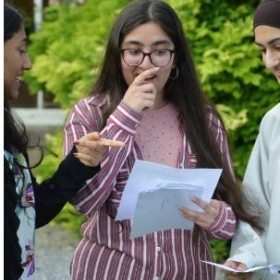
158 249
156 278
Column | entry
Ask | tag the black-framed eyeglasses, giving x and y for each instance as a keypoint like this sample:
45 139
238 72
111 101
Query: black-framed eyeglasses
134 57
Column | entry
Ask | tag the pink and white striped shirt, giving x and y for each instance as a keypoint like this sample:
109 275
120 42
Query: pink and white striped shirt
106 252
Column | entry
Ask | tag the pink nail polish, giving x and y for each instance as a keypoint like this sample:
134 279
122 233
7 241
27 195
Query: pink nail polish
76 142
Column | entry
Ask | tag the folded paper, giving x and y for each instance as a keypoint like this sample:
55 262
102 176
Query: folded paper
156 190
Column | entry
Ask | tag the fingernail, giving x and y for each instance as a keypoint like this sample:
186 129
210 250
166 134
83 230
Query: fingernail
75 154
193 198
76 142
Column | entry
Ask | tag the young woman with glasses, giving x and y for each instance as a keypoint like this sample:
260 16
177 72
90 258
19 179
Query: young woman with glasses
148 95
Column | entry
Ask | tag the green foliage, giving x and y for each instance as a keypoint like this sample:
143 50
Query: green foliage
70 219
68 51
232 119
220 250
52 156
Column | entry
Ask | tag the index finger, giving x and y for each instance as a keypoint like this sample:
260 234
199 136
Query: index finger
202 204
92 136
111 143
140 79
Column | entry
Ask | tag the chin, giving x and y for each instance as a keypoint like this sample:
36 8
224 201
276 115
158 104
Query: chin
12 95
11 90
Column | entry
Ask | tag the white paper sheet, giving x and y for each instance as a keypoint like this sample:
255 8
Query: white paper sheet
147 176
158 209
273 268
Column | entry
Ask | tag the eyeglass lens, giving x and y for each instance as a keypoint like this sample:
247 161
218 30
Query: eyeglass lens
158 58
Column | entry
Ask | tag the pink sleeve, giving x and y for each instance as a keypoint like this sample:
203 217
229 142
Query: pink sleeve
224 225
121 125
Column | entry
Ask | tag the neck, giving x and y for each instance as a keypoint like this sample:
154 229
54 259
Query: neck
159 103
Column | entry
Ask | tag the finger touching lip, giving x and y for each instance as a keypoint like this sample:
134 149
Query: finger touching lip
148 74
149 79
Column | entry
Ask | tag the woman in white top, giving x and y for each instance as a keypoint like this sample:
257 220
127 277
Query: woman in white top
262 177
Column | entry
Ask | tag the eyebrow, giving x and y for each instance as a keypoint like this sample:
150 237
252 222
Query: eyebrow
160 42
269 42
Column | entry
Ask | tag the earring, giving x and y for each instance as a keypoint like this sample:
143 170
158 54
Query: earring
176 74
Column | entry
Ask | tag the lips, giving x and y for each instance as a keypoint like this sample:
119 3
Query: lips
18 80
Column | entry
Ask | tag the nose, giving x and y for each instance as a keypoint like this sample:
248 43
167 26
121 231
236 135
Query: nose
271 59
27 64
146 62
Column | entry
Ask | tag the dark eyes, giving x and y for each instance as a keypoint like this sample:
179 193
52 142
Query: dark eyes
134 52
276 48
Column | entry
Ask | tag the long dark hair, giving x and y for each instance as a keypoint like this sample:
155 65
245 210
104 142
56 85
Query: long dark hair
184 92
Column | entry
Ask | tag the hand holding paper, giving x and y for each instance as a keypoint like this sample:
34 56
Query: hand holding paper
205 218
158 209
273 268
154 191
